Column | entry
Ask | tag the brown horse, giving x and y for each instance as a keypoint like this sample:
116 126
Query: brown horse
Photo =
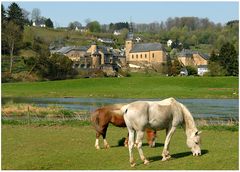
101 118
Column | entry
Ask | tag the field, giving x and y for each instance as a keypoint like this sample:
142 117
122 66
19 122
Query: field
72 148
129 87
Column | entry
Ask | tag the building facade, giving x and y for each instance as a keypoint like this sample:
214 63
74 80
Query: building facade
192 58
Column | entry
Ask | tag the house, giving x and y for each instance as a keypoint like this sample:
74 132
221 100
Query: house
169 43
202 69
106 40
192 58
117 32
138 39
72 52
76 28
39 23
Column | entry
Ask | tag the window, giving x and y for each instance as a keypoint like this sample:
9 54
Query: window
132 56
145 56
141 56
152 55
137 56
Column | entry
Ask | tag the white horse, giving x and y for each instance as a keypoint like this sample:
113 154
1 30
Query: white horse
166 114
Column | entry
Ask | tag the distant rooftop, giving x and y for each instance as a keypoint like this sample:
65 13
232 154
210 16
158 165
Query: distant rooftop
189 53
146 47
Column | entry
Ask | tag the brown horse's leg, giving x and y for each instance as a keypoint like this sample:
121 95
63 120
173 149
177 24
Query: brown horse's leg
151 135
97 140
104 134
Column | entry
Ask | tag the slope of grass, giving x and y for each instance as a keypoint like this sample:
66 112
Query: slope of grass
72 148
132 87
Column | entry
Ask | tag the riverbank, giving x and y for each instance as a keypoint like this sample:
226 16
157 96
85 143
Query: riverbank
129 87
33 115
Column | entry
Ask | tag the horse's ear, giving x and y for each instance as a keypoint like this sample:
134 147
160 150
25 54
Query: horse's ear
198 132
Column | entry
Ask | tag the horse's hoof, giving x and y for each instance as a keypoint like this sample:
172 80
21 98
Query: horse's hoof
107 146
97 147
133 164
146 162
166 158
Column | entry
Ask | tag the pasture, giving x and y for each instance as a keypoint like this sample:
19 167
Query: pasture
139 86
31 147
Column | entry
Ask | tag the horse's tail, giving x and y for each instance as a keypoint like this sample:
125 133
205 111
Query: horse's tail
95 120
124 109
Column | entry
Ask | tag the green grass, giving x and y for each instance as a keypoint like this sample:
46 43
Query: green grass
130 87
72 148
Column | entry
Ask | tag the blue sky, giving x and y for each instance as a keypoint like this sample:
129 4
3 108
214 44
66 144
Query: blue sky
62 13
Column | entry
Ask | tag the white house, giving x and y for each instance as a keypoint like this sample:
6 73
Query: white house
116 32
202 69
169 42
38 24
138 39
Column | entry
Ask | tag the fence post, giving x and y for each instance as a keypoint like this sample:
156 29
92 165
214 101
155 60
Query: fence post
28 116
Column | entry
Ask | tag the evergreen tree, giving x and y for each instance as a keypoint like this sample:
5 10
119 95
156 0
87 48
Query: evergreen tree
49 23
228 58
15 14
176 67
3 14
213 57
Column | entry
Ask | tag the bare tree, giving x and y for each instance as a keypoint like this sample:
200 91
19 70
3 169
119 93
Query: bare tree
36 14
12 35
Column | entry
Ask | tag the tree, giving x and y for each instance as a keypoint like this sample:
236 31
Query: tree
176 67
15 15
3 14
213 57
228 58
36 14
191 70
73 25
13 36
49 23
215 69
94 26
25 16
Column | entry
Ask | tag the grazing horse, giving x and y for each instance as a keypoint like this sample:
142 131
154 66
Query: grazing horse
101 118
166 114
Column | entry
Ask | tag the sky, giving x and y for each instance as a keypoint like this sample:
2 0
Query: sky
63 12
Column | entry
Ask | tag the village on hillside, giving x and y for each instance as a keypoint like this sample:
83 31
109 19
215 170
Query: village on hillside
33 49
135 55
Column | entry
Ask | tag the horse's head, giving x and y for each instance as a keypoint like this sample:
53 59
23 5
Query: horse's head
193 142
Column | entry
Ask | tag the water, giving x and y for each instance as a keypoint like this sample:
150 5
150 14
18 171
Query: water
200 108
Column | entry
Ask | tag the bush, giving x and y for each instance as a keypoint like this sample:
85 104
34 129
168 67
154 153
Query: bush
191 70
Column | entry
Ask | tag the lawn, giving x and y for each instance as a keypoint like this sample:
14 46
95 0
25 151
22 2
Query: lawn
129 87
72 148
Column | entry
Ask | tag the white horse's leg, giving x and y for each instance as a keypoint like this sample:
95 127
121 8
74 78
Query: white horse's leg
130 146
139 139
165 152
97 144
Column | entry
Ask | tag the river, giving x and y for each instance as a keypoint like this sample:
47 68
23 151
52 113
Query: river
200 108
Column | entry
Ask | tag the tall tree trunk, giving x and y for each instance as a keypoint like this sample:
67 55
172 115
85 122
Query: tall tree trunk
11 57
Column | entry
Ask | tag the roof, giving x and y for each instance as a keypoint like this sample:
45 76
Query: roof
205 56
146 47
65 50
202 66
189 53
185 53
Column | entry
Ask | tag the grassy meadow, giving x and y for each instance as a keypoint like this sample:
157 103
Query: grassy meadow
26 147
128 87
